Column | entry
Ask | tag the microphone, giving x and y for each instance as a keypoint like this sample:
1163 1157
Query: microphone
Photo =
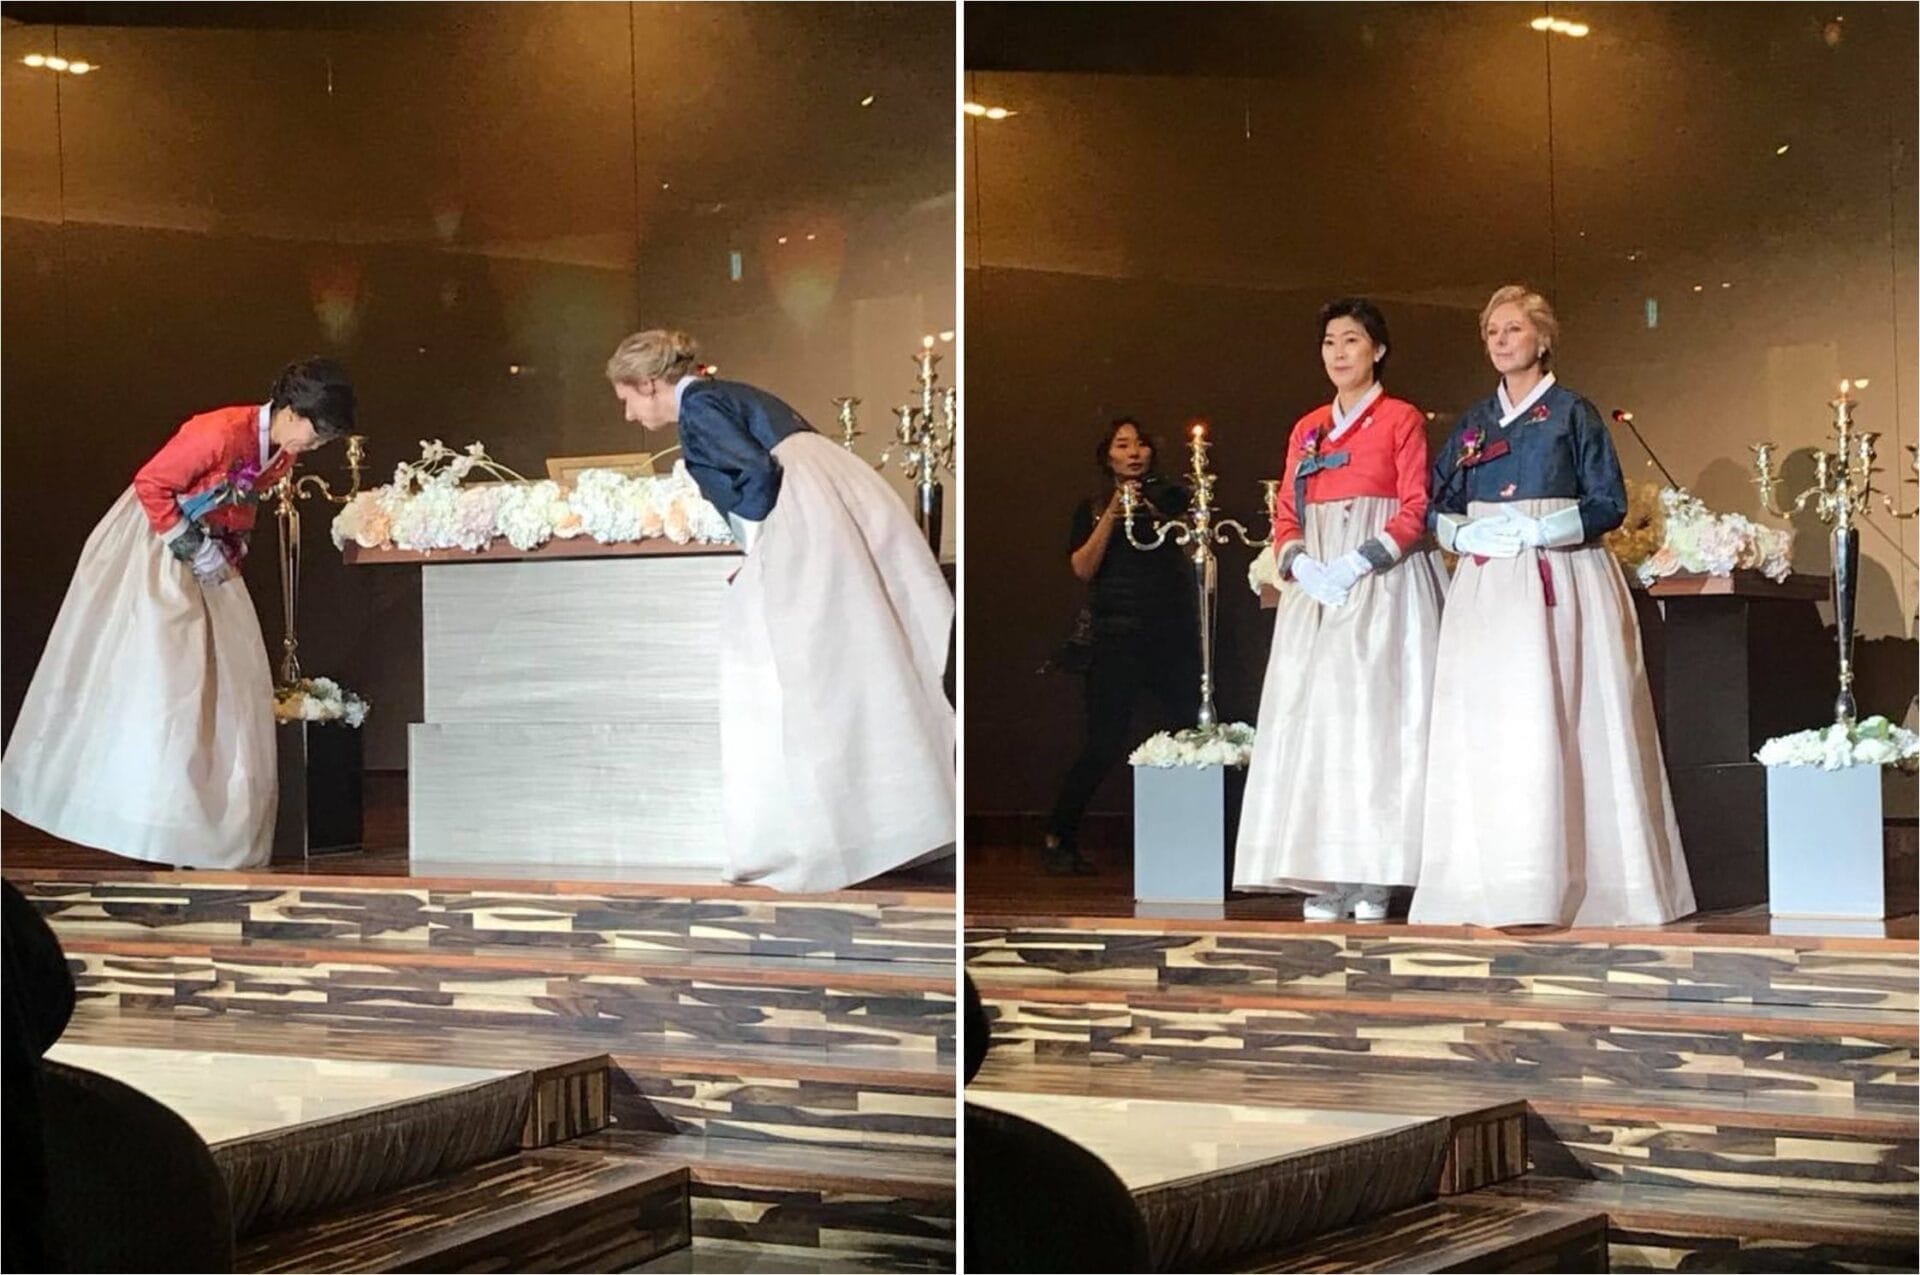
1623 417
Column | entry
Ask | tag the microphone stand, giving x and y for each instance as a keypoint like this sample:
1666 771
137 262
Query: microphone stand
1624 417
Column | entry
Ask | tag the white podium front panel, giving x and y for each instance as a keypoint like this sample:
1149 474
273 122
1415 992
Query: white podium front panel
592 640
572 713
573 793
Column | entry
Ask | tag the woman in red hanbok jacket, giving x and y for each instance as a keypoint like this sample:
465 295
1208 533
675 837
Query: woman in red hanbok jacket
1335 790
148 727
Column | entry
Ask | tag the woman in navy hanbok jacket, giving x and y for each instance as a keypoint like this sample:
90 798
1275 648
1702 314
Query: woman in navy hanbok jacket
1546 798
836 736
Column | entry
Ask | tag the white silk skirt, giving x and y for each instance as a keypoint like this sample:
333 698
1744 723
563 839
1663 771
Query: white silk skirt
1547 799
148 728
836 737
1336 786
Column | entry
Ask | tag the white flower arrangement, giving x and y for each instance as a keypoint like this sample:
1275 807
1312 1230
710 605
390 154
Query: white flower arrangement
1694 538
1873 742
428 507
319 699
1226 744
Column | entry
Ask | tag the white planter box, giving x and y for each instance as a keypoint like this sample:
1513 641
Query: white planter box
1184 819
1826 842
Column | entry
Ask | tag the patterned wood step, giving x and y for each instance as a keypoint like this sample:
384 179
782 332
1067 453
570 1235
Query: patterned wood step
724 1257
1467 1233
565 915
885 1204
825 1096
1665 964
1857 1053
1701 1229
552 1210
759 1101
1765 1143
508 958
1692 1148
1218 1182
623 995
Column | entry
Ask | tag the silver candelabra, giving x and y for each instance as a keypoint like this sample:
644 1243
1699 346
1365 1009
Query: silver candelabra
1197 531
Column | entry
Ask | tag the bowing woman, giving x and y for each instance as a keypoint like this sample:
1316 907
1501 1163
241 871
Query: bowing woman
1335 791
1547 799
836 736
148 727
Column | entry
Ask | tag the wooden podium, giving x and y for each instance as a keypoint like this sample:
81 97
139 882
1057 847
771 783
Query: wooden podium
1733 661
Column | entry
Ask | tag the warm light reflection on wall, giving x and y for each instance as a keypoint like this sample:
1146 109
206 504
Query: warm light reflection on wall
1559 27
59 65
990 112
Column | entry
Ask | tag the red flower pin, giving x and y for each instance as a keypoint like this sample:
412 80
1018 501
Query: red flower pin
1540 413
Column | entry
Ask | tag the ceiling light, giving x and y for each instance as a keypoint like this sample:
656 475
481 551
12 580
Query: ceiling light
1782 148
974 108
867 100
35 59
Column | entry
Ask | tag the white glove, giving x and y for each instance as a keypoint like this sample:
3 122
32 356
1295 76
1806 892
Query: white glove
1531 533
1488 538
1316 580
209 562
1345 571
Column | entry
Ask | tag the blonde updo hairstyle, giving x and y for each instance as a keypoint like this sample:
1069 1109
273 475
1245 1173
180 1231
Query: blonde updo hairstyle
1538 312
659 354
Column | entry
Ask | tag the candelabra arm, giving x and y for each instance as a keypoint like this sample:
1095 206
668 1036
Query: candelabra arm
1241 533
1129 501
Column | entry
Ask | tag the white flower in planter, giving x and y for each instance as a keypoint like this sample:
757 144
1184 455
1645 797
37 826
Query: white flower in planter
1873 742
1228 744
319 699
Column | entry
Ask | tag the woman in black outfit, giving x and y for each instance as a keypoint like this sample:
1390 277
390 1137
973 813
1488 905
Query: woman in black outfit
1143 628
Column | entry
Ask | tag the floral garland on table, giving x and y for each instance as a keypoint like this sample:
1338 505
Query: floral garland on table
1873 742
427 506
1669 530
319 699
1226 744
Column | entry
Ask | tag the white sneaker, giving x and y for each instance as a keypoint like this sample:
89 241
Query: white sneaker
1370 902
1328 907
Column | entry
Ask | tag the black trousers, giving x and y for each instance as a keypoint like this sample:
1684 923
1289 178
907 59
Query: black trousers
1158 669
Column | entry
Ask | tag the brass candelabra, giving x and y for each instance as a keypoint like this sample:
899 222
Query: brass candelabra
846 412
1841 494
287 494
1197 531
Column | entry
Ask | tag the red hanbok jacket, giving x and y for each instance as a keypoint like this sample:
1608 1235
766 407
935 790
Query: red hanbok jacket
1383 454
210 449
